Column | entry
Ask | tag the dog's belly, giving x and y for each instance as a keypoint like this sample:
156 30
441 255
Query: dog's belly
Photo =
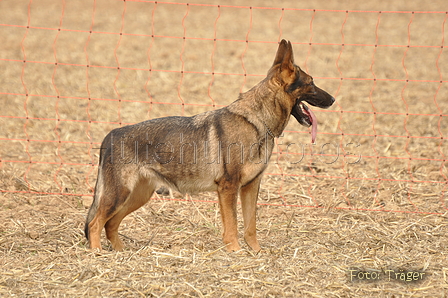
190 179
194 186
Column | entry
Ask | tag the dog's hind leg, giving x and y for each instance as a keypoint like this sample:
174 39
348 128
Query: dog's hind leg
228 195
139 196
108 200
249 196
110 203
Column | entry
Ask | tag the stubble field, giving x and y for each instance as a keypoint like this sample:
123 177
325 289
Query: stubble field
369 196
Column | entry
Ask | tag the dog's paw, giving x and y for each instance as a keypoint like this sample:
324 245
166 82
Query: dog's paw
233 247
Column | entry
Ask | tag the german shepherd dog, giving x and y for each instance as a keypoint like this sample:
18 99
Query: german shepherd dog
225 150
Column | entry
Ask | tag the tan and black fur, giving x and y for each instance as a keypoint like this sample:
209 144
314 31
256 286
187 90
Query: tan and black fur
225 150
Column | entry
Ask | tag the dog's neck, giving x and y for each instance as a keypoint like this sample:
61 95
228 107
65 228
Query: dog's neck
268 113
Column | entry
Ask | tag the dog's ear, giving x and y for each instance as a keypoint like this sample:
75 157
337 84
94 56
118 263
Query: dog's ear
288 59
285 56
280 52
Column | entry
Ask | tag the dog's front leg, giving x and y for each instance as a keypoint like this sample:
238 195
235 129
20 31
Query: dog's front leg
228 195
249 196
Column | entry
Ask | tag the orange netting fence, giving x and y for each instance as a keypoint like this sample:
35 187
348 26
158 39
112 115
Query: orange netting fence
75 71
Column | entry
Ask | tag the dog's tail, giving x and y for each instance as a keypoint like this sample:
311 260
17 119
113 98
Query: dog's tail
91 214
96 197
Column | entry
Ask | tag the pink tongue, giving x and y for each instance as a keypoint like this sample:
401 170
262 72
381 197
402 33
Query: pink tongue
313 124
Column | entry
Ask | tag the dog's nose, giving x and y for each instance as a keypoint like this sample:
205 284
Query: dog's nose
332 100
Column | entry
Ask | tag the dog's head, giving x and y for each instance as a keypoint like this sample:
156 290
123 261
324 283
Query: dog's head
298 86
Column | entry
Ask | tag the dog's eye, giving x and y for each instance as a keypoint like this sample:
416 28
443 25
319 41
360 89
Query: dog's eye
313 91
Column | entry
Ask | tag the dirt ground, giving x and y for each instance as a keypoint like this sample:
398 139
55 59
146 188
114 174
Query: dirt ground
368 200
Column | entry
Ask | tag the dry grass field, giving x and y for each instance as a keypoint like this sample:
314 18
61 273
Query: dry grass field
369 197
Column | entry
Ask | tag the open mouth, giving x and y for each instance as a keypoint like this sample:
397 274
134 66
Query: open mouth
306 117
311 117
